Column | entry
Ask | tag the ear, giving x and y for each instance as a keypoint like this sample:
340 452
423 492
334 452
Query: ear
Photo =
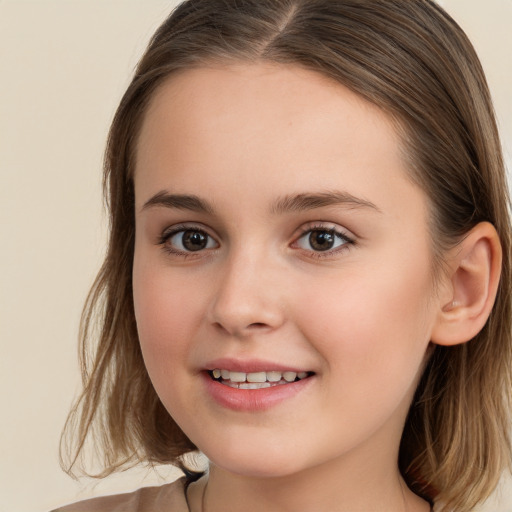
470 288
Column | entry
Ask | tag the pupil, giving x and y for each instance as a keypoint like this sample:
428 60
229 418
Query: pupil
194 240
321 240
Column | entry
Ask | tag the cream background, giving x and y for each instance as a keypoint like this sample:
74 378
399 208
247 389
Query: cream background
64 65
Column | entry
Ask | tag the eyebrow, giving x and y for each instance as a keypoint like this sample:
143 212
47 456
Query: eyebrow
301 202
286 204
178 201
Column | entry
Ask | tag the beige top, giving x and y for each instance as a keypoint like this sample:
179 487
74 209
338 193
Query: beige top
164 498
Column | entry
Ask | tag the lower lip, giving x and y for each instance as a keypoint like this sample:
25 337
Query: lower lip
253 400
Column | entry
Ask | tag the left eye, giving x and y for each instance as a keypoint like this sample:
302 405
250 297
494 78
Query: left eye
321 240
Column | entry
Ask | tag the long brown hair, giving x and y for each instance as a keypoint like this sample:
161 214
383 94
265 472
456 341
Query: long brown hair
412 60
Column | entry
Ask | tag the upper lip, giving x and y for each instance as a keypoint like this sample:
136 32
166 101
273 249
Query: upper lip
250 366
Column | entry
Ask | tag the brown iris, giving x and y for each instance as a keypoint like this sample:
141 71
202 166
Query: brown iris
194 240
321 240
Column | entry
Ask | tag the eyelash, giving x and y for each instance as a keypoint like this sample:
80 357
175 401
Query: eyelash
308 229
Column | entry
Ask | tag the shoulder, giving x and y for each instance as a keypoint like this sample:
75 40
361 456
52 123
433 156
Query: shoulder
164 498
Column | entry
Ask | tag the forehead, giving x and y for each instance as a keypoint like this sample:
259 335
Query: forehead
265 127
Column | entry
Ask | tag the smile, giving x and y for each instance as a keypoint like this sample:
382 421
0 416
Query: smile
256 380
255 389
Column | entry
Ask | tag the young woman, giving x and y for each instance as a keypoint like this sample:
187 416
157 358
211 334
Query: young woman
308 274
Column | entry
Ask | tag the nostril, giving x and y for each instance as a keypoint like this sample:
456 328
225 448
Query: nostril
258 325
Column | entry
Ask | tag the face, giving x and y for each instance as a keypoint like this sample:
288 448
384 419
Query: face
283 275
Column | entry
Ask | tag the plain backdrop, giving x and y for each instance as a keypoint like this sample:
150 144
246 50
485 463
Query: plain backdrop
64 66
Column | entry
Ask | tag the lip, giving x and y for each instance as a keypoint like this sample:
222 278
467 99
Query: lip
250 366
252 400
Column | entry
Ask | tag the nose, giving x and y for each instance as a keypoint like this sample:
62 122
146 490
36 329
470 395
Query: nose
248 297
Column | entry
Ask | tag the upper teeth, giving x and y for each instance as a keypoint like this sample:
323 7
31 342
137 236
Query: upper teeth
270 376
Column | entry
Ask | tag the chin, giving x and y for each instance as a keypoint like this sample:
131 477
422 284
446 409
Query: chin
262 464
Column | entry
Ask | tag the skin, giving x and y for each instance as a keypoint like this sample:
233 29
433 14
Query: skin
360 316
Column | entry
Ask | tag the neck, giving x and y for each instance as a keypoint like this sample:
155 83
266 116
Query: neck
327 488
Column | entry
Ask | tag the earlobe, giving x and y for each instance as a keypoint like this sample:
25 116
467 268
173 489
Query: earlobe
475 267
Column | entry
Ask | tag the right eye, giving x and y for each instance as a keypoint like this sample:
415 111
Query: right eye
187 240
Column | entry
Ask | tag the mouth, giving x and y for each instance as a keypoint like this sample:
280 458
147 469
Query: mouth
257 380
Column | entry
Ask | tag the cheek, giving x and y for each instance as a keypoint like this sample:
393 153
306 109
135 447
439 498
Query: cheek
167 312
372 329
